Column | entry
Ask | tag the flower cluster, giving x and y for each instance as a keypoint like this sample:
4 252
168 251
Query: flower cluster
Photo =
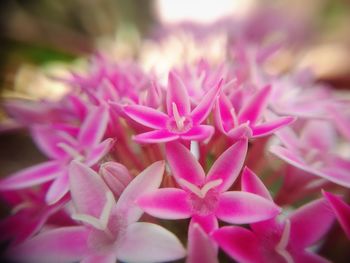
242 153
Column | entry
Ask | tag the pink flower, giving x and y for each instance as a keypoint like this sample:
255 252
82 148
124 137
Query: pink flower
61 147
278 239
313 152
180 122
28 215
246 118
200 78
110 230
205 198
341 211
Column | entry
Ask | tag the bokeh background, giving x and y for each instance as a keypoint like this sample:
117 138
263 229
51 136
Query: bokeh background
40 37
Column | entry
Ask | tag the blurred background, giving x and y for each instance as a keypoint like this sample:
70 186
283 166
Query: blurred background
39 38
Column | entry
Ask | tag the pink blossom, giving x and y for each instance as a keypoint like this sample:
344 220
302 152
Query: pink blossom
312 152
28 215
61 147
277 239
247 119
206 198
110 229
180 122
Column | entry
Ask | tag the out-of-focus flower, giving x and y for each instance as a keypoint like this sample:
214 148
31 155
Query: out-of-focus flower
110 230
62 147
341 211
313 152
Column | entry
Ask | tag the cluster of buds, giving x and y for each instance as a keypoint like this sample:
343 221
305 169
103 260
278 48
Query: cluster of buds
253 162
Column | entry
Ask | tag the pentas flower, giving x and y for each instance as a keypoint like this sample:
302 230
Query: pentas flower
313 151
61 147
340 115
180 122
297 95
106 81
110 229
28 215
200 78
341 211
31 113
246 118
277 240
205 198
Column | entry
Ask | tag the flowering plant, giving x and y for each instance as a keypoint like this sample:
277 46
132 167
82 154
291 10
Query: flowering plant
242 153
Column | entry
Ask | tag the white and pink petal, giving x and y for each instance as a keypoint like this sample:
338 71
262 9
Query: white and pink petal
146 242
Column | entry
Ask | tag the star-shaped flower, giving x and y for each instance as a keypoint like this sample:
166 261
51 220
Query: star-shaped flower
180 122
276 239
205 198
247 119
110 229
61 147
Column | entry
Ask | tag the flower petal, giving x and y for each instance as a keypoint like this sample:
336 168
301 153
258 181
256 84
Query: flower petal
252 184
252 110
289 139
313 138
87 189
31 176
207 223
305 229
228 165
200 247
61 245
271 126
93 127
46 138
166 203
340 120
239 132
57 189
223 116
243 208
99 151
183 164
341 211
146 182
198 133
151 242
157 136
177 93
147 116
203 109
239 243
333 174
